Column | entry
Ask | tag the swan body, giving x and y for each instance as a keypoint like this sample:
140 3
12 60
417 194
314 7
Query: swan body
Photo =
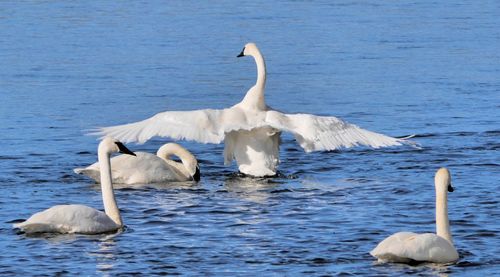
407 247
79 218
146 168
251 129
69 219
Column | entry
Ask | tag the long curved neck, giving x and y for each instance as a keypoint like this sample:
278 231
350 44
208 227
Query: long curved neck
442 222
261 71
187 159
108 196
255 96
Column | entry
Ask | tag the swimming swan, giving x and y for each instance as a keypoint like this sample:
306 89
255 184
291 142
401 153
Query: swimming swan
79 218
251 129
147 168
406 247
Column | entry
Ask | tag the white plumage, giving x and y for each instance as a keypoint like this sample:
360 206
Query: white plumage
407 247
80 218
69 219
251 129
146 168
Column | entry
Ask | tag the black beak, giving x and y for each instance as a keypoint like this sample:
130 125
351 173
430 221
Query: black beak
450 188
197 175
242 53
124 149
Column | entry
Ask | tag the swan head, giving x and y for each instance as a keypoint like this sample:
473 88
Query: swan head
250 49
110 145
442 180
197 175
194 170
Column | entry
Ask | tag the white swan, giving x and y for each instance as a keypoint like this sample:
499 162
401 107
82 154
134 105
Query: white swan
250 129
406 247
80 218
147 168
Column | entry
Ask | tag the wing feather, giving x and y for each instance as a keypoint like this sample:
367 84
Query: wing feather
206 126
200 125
315 133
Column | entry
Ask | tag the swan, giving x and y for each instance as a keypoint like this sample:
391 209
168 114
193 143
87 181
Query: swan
79 218
147 168
250 129
407 247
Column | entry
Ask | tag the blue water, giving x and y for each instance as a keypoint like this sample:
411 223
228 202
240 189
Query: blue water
428 68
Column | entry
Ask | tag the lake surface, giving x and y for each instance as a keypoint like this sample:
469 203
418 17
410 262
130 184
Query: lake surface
429 68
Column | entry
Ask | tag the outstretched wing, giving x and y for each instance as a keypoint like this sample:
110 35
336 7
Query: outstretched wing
206 126
312 132
199 125
315 133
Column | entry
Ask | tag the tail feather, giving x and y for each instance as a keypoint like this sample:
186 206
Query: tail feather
92 173
30 228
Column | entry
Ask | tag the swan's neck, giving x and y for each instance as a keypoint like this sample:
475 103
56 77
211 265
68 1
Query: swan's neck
188 165
442 222
108 196
261 72
255 96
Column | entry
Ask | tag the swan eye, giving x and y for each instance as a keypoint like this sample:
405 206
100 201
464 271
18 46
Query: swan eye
450 188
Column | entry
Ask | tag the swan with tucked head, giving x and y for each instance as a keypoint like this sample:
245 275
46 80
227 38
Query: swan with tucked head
251 129
79 218
407 247
148 168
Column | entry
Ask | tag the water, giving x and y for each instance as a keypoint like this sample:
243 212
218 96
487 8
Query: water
427 68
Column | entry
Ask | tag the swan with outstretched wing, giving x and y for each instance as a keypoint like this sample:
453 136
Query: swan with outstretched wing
250 129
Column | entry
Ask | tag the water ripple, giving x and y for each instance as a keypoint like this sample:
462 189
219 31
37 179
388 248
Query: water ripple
103 63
